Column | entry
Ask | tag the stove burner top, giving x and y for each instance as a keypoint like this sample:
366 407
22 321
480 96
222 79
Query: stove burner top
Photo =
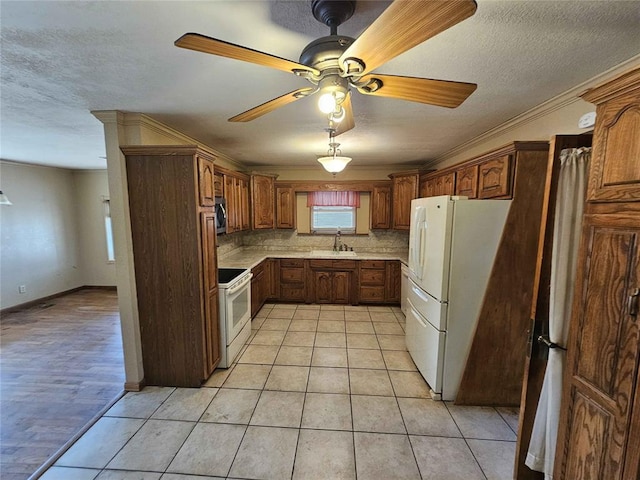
227 275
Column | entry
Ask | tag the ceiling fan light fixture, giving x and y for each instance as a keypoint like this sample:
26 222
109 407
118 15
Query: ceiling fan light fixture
337 115
327 102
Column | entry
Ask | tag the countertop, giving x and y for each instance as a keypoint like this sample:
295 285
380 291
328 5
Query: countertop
247 258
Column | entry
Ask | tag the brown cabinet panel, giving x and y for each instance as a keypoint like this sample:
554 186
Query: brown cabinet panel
206 182
292 293
262 202
244 204
372 277
405 189
218 184
467 181
341 287
381 207
615 172
371 294
322 287
291 275
292 262
285 207
232 208
494 177
174 249
392 283
604 350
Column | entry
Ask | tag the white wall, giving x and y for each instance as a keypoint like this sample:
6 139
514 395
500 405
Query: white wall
52 238
92 186
38 239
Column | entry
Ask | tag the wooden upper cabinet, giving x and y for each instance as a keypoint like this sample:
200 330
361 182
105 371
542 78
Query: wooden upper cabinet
445 184
285 207
206 182
467 181
244 204
405 189
262 202
615 163
381 206
218 184
494 177
229 189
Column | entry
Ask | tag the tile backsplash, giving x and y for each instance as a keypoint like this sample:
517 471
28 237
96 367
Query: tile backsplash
382 241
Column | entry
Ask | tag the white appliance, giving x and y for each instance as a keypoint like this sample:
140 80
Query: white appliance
234 292
404 287
452 246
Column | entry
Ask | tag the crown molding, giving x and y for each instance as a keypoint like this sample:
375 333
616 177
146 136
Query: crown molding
556 103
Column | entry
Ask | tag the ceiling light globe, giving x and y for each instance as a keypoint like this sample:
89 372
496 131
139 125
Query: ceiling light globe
334 164
327 102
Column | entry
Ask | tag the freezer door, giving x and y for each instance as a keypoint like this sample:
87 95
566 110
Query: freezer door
430 244
432 310
426 347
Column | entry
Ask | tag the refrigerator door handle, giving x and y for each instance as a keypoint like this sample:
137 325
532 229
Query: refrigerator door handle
419 293
417 315
421 227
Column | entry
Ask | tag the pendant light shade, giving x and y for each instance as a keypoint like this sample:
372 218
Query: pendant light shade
4 200
334 162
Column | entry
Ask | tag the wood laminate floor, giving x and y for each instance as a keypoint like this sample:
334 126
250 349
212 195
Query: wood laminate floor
61 362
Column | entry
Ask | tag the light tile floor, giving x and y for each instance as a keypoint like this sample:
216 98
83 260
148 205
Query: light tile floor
319 392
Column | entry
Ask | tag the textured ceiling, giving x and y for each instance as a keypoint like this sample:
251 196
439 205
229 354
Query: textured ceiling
60 60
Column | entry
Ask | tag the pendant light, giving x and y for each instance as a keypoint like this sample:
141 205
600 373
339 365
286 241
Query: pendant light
334 162
4 200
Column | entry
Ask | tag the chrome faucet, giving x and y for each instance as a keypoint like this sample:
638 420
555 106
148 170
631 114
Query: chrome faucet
337 244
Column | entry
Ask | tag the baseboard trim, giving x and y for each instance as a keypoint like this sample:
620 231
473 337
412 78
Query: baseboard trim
37 301
135 386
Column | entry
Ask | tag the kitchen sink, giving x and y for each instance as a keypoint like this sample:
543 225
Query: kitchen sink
331 253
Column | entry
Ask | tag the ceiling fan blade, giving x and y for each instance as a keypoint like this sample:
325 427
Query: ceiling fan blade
423 90
271 105
202 43
403 25
347 122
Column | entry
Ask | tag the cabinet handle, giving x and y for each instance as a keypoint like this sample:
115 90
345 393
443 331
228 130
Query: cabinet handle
632 302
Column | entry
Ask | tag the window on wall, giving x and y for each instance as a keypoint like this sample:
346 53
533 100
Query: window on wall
108 230
333 211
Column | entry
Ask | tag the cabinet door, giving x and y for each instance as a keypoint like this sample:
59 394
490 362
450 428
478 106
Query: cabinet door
322 286
430 188
615 165
229 193
285 207
448 184
596 420
381 207
392 283
211 328
405 189
467 182
206 182
257 284
494 177
218 184
262 202
341 287
244 204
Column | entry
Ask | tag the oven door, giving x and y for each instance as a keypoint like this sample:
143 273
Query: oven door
237 301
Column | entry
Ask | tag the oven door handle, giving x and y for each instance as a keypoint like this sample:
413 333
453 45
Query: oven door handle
241 285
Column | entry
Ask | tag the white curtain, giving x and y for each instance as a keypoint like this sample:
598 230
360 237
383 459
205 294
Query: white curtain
566 236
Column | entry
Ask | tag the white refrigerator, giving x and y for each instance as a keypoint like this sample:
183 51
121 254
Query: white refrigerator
452 246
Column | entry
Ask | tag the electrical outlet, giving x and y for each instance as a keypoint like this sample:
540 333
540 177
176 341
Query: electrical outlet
22 289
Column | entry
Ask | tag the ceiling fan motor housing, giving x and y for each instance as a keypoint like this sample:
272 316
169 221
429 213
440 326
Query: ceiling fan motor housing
324 52
333 12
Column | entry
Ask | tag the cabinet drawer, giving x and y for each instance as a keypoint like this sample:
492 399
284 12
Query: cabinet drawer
372 277
292 275
372 264
371 294
333 264
292 262
292 294
258 269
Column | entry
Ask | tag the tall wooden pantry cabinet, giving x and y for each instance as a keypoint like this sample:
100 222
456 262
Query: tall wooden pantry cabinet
599 434
174 247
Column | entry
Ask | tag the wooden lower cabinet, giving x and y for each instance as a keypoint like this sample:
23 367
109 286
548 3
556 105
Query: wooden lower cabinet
262 285
292 280
379 281
331 281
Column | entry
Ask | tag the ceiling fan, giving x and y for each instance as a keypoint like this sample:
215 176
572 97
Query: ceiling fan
336 64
